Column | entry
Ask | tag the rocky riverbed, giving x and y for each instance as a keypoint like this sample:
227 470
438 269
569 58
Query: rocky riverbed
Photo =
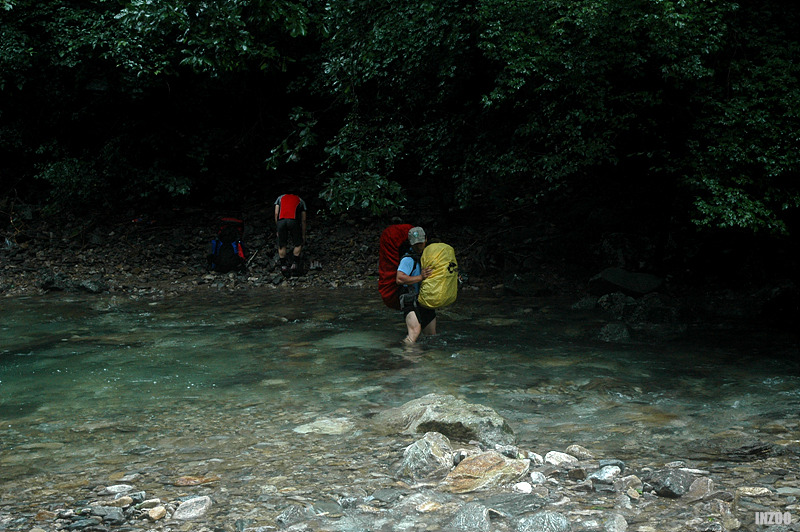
418 480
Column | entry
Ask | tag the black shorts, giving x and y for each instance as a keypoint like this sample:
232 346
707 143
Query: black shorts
425 315
289 226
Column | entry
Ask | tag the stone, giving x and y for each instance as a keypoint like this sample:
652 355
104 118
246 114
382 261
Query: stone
510 505
472 517
111 515
522 487
193 508
619 463
537 477
577 473
559 459
671 483
121 502
452 417
535 458
149 503
483 471
118 488
428 458
605 475
700 488
629 482
136 496
615 523
579 452
544 522
511 451
156 513
326 426
753 491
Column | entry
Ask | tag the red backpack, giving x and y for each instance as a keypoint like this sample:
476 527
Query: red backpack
392 239
227 250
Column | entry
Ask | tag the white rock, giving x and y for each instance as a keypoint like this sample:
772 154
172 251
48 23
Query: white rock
538 477
754 491
558 459
118 488
193 508
522 487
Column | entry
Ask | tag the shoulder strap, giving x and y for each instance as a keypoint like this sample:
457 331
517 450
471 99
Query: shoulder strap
414 256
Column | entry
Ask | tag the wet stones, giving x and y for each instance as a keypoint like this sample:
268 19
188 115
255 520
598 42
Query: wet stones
430 482
125 510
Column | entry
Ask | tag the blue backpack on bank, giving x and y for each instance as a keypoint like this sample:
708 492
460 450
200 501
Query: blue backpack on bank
227 251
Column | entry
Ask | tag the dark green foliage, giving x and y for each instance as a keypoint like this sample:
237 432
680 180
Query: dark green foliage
744 157
681 104
110 103
685 111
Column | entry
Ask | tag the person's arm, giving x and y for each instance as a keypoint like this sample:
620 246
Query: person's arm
404 279
277 212
303 224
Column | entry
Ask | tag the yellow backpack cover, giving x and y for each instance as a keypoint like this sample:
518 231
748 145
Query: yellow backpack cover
441 288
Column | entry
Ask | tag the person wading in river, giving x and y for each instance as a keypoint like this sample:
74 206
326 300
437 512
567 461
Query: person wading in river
410 274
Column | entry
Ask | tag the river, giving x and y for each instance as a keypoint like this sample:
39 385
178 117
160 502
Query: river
221 388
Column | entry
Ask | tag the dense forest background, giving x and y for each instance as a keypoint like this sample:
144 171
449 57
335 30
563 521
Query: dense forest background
675 121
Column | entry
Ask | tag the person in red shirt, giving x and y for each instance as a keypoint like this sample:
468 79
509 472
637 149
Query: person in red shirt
290 219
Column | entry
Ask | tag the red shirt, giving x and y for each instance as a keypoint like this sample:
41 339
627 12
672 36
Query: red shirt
290 206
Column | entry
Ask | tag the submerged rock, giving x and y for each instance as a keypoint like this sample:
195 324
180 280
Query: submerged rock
326 426
731 445
193 508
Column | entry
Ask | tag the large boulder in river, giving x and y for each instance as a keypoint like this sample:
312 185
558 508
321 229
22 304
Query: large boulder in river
455 418
618 280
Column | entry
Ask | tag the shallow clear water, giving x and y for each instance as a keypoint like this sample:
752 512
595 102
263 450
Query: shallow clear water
99 388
